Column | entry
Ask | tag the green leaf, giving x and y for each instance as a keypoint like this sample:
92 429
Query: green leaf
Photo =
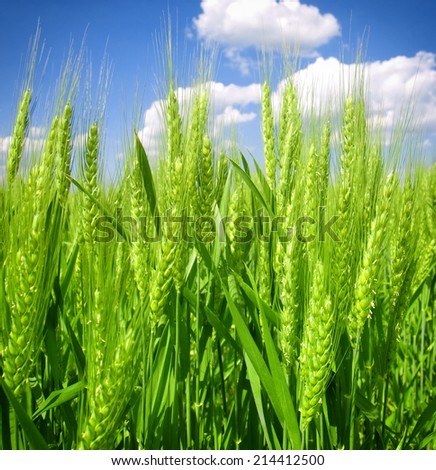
249 182
213 319
59 397
52 350
264 183
5 425
147 178
36 441
427 440
160 381
370 411
258 302
245 164
277 372
425 422
78 354
280 384
257 395
420 288
70 269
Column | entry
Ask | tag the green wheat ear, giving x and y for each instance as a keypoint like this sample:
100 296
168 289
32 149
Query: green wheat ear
194 147
367 276
91 184
317 347
206 179
268 136
63 155
290 147
26 291
343 263
18 137
139 248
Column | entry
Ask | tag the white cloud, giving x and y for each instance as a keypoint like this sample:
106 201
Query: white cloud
153 126
4 144
232 116
231 95
402 81
239 61
269 23
392 87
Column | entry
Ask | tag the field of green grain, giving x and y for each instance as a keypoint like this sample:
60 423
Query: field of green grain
207 302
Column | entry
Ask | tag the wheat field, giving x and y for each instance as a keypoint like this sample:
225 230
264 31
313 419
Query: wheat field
205 301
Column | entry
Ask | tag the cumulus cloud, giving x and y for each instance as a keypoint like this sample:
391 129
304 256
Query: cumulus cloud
153 126
238 61
392 86
231 116
230 95
265 23
402 80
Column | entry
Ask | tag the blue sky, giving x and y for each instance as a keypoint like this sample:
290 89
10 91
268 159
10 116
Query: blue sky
400 39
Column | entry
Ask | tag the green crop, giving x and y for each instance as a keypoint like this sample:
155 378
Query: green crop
228 307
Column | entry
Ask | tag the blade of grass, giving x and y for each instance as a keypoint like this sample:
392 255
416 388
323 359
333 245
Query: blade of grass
36 441
59 397
147 178
213 320
425 422
257 396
